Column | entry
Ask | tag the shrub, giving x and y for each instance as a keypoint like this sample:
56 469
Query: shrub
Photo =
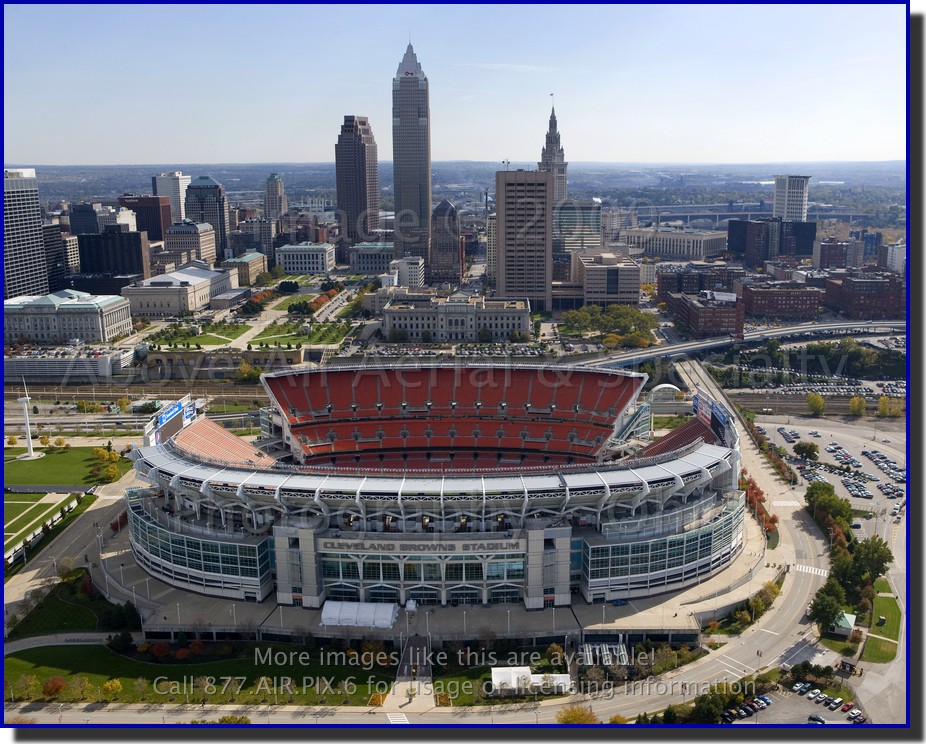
53 686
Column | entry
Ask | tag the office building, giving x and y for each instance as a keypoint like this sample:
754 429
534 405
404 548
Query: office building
152 213
769 238
457 318
491 248
709 313
264 233
187 290
172 185
274 198
791 198
249 266
57 263
524 203
357 172
63 316
785 300
606 278
196 239
411 159
206 202
306 258
830 253
552 160
116 251
446 246
576 227
83 219
24 269
371 259
893 257
867 296
668 243
407 272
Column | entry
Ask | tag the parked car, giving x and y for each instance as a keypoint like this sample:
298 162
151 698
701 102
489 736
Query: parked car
814 718
847 706
854 714
797 687
813 694
835 703
860 719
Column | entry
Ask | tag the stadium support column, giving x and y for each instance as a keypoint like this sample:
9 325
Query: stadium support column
533 570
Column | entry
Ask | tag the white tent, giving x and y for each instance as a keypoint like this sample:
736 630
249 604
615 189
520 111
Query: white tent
359 614
514 679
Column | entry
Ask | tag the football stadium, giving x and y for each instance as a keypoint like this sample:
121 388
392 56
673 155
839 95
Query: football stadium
442 484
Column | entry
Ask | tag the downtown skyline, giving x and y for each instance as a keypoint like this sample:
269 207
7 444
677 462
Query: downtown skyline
682 84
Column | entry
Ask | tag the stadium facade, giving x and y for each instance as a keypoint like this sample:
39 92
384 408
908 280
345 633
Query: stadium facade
446 485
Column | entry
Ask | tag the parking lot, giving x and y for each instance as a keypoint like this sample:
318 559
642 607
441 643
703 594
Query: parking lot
789 707
872 486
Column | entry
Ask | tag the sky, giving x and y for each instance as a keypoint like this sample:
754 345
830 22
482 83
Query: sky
162 84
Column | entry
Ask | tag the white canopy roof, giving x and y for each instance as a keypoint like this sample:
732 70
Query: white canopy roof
359 614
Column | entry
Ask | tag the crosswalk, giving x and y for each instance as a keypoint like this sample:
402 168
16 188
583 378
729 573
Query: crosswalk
397 718
813 570
786 503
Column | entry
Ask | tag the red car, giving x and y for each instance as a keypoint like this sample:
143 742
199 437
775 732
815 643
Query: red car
847 706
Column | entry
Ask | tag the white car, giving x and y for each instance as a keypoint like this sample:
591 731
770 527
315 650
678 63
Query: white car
812 695
854 714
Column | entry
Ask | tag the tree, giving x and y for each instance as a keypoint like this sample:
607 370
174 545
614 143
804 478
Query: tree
11 440
44 440
618 719
555 654
890 407
53 686
160 650
815 403
825 609
642 719
857 405
871 559
707 708
670 715
111 474
277 271
112 687
807 450
28 687
140 685
123 404
577 714
612 340
59 442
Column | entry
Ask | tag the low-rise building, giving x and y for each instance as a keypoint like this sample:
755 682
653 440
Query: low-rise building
830 253
371 259
186 290
867 296
409 271
306 258
248 266
709 313
672 243
457 318
375 302
80 364
59 317
782 300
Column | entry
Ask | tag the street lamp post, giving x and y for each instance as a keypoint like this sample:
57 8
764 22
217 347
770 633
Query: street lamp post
509 622
554 619
281 616
134 601
234 617
147 589
122 574
178 613
464 625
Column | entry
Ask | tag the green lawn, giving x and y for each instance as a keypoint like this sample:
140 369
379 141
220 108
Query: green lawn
20 498
231 408
228 330
71 467
328 333
99 664
279 329
879 651
13 510
33 517
888 607
882 585
64 609
669 422
59 527
284 304
465 682
840 646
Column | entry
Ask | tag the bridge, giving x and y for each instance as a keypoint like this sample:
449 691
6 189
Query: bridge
673 352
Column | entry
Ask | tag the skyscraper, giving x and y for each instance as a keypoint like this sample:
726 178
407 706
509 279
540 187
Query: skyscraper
357 170
552 160
275 198
491 248
23 248
446 248
206 202
411 159
173 185
524 240
791 198
56 259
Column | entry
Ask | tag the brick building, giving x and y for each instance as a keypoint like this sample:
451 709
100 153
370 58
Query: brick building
867 296
709 313
782 300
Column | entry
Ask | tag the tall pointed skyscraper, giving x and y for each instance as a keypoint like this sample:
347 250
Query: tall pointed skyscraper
357 171
552 160
411 159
